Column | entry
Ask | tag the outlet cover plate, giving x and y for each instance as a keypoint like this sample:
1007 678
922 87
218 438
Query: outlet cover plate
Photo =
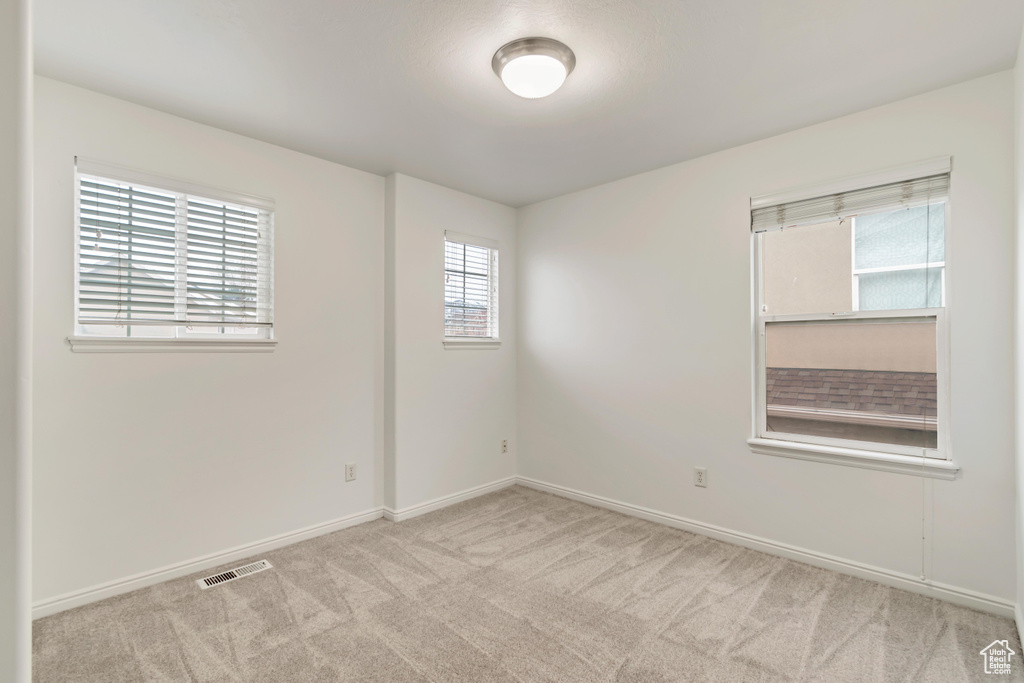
700 476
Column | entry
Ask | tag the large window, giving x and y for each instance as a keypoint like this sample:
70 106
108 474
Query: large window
154 261
470 288
850 323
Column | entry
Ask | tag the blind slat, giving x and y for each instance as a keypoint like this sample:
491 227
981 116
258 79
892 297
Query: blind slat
845 204
163 323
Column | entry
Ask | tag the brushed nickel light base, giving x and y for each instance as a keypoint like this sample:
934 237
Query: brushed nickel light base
533 46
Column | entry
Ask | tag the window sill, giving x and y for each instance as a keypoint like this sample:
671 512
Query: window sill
156 345
455 343
851 457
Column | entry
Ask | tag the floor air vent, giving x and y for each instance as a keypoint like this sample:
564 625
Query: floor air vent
232 574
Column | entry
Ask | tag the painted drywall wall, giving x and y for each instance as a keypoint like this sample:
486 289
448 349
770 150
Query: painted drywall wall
146 460
388 386
635 345
15 338
449 409
1018 110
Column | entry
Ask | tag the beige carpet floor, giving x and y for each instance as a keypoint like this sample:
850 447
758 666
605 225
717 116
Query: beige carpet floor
521 586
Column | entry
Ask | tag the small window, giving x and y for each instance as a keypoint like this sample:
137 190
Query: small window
470 288
851 326
154 261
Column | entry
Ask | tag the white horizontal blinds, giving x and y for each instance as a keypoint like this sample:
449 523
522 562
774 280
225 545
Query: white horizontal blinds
127 253
470 290
158 257
917 192
228 265
492 304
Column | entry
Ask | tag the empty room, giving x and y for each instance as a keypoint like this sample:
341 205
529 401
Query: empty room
511 340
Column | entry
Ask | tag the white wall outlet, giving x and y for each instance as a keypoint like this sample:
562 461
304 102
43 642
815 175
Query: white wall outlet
350 471
504 445
700 476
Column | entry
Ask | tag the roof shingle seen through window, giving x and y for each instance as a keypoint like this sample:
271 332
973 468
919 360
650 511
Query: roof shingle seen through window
871 391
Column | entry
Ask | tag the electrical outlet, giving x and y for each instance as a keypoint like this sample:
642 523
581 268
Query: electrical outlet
700 476
504 445
350 472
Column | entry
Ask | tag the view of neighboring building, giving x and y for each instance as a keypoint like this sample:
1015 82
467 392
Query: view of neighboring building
854 379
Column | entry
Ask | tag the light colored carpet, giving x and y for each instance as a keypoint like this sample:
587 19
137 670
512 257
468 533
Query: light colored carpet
520 586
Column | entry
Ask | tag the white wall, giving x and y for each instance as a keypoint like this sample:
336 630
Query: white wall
635 359
449 408
1018 110
15 337
145 460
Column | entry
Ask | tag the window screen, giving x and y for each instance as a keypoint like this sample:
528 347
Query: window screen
872 381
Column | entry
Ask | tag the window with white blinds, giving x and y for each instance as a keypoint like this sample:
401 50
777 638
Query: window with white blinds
470 287
851 333
160 262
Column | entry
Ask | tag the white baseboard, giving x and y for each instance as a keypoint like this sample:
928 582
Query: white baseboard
958 596
1018 618
445 501
67 601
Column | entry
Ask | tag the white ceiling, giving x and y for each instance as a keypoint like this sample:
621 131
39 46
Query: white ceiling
407 86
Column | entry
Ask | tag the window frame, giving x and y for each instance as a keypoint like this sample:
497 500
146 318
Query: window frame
186 337
494 292
935 463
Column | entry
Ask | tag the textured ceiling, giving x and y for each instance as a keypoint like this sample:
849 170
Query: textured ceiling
407 86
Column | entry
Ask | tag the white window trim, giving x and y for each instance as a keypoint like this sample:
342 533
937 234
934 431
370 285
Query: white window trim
852 457
470 343
475 342
933 463
168 345
463 238
184 340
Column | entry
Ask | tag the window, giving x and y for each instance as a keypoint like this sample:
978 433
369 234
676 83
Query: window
850 325
899 259
156 260
470 289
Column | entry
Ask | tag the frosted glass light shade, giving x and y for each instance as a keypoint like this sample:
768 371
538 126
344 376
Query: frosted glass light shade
533 76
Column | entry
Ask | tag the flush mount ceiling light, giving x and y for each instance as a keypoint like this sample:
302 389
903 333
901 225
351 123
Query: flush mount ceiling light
533 67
